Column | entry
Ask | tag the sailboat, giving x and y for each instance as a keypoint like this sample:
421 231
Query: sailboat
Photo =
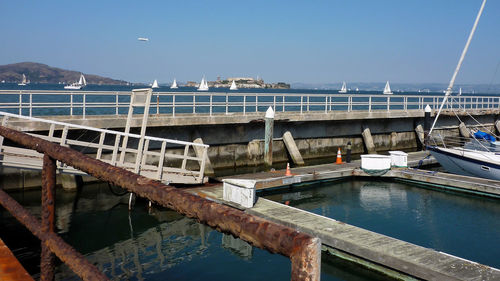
203 85
477 155
23 82
155 84
387 89
77 85
233 86
174 85
343 90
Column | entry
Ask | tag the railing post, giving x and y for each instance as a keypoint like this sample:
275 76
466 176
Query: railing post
116 103
326 104
370 104
301 103
226 104
20 103
388 104
244 104
31 104
84 105
173 106
405 101
308 104
274 102
194 104
256 103
211 96
71 104
283 103
47 262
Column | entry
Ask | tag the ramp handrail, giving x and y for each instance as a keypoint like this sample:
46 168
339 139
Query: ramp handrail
110 152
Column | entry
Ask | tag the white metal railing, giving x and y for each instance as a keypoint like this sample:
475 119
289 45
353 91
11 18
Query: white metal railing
81 103
154 161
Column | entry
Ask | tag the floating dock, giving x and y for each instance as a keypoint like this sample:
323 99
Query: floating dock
388 255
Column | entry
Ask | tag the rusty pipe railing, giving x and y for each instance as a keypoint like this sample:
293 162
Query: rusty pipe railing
303 250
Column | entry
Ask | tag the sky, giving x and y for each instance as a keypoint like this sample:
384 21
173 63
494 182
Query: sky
410 41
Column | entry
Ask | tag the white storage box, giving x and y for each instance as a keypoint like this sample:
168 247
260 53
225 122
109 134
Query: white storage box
239 191
399 159
375 162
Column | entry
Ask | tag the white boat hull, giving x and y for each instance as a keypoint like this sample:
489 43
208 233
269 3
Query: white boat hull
71 87
468 162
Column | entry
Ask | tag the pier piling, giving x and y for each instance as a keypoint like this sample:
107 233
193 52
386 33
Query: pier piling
367 138
292 148
268 138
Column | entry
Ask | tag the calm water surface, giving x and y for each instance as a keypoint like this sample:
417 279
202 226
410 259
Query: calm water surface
464 226
157 245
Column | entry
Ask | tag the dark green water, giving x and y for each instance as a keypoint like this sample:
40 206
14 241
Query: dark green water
157 245
464 226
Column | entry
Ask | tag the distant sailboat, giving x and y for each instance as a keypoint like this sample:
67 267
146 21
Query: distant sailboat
23 82
203 85
77 85
233 86
174 85
155 84
343 90
387 89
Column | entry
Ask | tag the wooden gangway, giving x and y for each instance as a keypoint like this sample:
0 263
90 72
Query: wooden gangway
152 157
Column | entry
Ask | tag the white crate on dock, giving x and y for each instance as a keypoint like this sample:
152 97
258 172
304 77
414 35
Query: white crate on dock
375 162
239 191
399 159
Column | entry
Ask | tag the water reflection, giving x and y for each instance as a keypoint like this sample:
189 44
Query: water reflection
153 245
379 196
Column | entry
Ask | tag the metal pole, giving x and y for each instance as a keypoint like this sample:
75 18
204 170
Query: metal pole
47 263
452 81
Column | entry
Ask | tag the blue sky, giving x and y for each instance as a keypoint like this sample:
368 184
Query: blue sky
292 41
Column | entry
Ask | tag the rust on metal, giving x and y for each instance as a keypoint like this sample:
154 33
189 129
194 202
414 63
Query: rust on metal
300 247
10 268
76 261
47 260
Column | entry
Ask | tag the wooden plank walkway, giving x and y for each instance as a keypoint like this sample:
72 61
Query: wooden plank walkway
319 172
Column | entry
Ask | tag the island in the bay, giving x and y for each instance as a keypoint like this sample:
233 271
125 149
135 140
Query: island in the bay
242 82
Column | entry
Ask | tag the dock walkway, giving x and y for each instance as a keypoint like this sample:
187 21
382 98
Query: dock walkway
391 256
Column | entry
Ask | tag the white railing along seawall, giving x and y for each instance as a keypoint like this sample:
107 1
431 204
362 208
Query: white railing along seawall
82 103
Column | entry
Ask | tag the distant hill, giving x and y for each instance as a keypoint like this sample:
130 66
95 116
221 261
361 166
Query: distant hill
42 73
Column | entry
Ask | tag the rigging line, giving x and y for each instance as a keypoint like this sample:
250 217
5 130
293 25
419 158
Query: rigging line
494 74
452 81
479 124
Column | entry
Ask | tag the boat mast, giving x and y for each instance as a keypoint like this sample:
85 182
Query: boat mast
452 81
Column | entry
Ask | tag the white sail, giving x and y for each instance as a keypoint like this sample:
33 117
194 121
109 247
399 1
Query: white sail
83 82
343 90
387 89
174 85
155 84
23 82
233 86
203 85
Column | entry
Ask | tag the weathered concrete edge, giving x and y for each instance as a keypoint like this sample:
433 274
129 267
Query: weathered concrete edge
429 264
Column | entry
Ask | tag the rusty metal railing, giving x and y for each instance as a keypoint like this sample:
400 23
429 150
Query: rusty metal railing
303 250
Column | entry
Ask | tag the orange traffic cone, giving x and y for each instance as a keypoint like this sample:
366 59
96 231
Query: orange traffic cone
288 173
339 157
